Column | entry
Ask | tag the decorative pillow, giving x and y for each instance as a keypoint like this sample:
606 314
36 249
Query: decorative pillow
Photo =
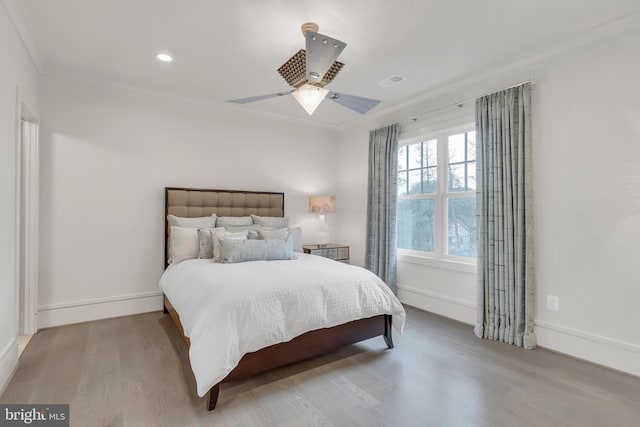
217 234
206 242
184 244
271 221
197 222
252 229
273 233
232 251
296 236
224 221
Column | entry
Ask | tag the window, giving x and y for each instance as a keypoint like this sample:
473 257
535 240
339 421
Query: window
436 195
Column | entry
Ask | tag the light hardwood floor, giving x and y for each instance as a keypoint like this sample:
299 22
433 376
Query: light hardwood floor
23 340
134 371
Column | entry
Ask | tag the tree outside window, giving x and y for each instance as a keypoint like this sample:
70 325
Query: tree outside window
436 196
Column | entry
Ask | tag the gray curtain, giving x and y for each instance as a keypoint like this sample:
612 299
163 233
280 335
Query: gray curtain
382 197
505 247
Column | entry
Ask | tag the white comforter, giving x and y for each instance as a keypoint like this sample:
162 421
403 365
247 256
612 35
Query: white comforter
228 310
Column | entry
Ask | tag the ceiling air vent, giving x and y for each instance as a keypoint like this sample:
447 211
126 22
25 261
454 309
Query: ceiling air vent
392 81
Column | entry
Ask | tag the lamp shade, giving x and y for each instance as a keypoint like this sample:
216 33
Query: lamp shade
310 96
322 204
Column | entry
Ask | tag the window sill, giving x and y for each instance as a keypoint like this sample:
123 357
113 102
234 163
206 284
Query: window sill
445 264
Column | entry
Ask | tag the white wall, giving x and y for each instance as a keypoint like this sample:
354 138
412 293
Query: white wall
587 212
16 71
586 154
107 153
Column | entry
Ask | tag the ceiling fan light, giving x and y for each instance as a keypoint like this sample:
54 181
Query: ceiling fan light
309 97
164 57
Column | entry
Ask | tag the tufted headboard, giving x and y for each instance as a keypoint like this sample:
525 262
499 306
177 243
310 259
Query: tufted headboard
190 202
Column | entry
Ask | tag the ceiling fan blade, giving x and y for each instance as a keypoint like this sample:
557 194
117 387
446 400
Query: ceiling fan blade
259 98
356 103
321 51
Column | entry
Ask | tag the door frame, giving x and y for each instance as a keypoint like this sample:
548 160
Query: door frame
26 221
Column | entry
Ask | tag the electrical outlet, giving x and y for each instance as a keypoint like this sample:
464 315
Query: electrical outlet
553 303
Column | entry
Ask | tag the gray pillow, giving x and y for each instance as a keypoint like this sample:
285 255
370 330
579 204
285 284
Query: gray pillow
206 242
271 221
224 221
280 233
232 251
252 229
273 233
221 233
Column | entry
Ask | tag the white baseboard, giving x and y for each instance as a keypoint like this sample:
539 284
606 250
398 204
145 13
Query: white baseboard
8 362
462 311
608 352
102 308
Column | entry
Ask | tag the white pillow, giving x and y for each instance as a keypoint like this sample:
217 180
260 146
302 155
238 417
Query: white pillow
217 234
196 222
206 242
184 244
271 221
255 250
223 221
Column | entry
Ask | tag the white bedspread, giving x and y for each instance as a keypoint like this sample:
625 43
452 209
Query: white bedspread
228 310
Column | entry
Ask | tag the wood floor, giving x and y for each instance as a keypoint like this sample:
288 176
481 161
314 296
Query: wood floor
134 371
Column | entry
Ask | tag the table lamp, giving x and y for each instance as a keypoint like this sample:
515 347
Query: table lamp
322 205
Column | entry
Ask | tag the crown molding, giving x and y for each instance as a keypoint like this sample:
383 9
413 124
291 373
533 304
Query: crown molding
545 52
18 18
175 98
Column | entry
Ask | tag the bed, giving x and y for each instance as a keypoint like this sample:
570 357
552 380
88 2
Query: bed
209 324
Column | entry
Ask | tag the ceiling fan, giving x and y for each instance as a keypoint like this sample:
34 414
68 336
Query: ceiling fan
310 70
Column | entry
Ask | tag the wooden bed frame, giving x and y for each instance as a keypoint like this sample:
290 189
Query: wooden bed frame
309 344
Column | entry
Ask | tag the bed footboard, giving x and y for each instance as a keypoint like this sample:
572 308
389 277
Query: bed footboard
307 345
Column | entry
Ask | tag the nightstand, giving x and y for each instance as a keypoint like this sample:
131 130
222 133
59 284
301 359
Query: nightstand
330 250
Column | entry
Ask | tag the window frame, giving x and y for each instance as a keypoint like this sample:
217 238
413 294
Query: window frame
439 256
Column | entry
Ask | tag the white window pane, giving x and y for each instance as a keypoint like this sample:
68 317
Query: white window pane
471 176
430 153
456 148
461 227
402 158
415 181
456 178
415 155
471 145
429 180
402 183
416 221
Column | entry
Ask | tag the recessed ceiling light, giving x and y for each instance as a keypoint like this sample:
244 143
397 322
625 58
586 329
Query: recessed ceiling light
164 57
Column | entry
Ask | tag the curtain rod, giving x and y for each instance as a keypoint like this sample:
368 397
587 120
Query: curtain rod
416 117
